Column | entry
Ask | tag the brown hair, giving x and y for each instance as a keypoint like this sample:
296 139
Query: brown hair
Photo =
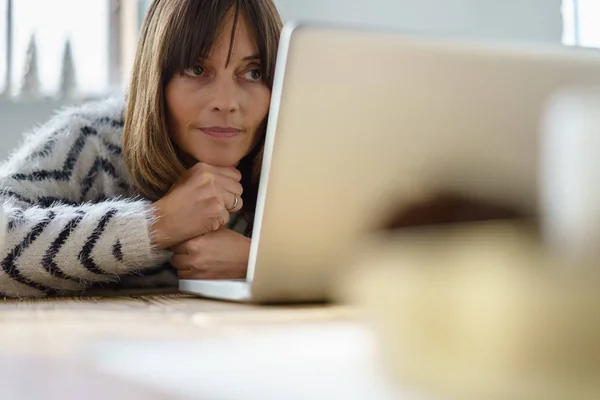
174 35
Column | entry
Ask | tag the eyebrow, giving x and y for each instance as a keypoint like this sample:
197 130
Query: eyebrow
251 58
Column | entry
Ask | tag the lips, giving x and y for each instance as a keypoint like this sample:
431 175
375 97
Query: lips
221 131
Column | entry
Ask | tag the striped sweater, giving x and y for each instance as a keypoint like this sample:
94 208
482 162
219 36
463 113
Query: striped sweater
72 221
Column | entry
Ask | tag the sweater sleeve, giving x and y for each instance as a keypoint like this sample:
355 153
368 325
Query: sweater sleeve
68 224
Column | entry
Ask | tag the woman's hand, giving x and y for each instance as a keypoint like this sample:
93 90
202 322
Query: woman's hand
198 203
222 254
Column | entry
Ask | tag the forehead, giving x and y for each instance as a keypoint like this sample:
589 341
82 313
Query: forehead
234 45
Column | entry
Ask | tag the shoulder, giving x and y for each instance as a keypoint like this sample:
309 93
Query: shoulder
111 107
99 113
99 117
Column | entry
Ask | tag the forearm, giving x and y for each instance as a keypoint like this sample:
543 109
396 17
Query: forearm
68 248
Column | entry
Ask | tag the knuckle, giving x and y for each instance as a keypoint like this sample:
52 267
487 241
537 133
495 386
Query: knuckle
206 180
197 261
238 174
202 175
193 246
210 202
194 173
214 205
198 167
211 185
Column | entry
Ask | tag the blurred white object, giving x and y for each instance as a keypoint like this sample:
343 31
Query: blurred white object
570 174
30 84
68 80
324 361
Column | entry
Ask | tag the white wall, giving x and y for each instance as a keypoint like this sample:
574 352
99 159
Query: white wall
18 117
530 20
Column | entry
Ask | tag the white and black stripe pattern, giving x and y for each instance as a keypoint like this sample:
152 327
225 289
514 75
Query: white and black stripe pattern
9 262
48 261
67 169
72 219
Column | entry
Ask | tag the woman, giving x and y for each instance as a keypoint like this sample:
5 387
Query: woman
109 192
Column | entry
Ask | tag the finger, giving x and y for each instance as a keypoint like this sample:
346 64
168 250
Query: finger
208 177
221 273
233 203
203 168
179 249
195 273
181 262
188 274
211 274
183 248
228 184
198 171
230 172
226 219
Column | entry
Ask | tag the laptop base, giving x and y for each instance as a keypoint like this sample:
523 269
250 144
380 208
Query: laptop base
232 290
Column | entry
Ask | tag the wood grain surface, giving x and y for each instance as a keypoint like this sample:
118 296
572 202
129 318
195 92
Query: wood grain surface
61 325
41 339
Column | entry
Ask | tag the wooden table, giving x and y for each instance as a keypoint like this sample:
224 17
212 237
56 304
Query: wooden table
40 339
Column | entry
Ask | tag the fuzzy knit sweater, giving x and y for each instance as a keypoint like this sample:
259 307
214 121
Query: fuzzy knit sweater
72 219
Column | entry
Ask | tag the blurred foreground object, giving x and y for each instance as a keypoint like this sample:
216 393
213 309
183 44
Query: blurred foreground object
479 311
570 174
443 208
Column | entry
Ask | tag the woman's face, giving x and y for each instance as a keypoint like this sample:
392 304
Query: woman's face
215 109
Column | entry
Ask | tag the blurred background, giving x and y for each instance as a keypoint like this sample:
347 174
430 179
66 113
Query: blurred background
62 51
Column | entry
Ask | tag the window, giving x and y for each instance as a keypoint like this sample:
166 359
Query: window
104 33
581 23
142 8
3 43
51 23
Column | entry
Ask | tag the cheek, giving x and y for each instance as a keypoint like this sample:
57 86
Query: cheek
179 104
259 106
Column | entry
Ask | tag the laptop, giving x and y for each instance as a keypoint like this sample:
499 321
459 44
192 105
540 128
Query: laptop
363 123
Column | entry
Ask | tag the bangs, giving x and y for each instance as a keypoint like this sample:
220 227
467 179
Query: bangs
196 25
193 31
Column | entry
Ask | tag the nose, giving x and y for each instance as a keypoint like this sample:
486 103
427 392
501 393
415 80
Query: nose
224 97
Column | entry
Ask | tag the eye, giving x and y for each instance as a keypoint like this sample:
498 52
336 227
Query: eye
254 75
196 70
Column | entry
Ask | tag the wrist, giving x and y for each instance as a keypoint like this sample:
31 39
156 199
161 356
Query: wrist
160 235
